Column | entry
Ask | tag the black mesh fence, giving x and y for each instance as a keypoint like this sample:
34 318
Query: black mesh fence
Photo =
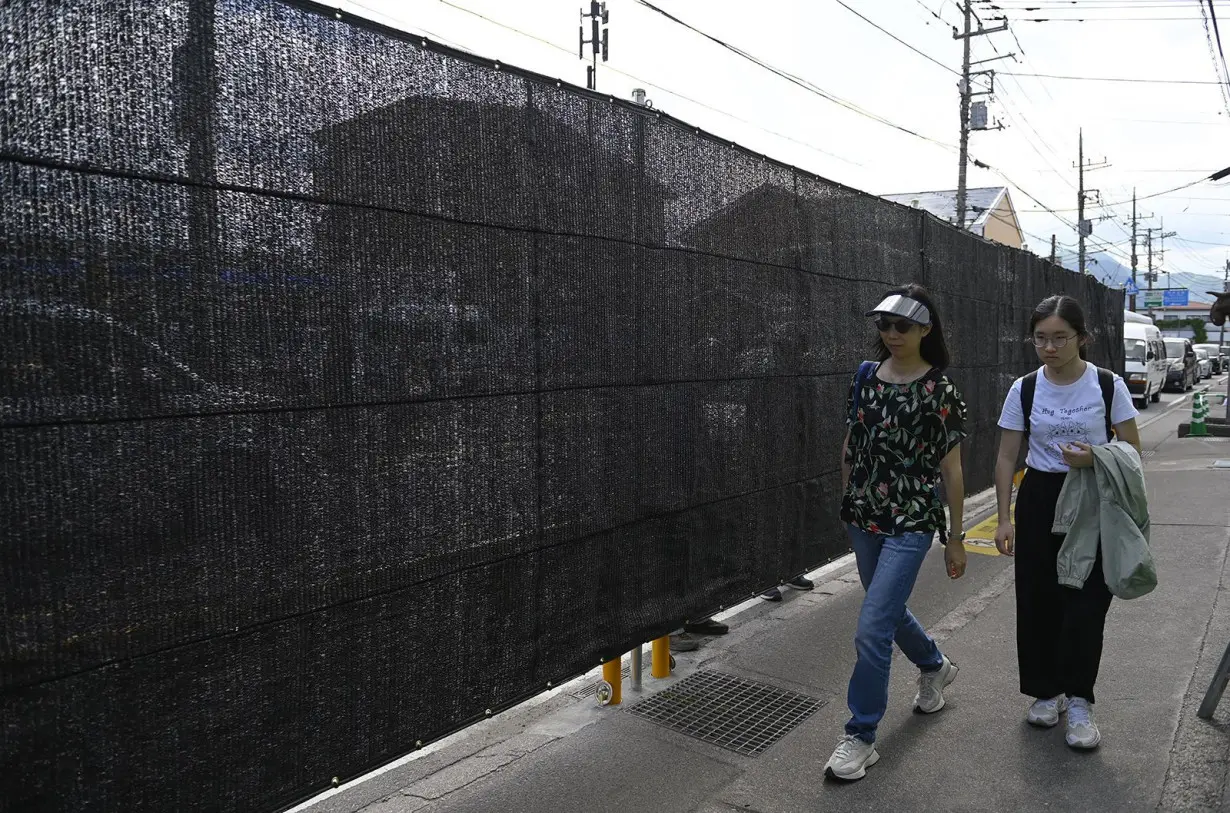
351 389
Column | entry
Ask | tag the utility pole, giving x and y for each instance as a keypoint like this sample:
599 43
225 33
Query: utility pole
1084 227
1132 298
1225 286
1052 249
598 40
967 92
1080 201
1161 254
1149 277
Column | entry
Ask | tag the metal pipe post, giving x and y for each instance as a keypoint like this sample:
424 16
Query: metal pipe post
636 668
1213 696
660 657
611 674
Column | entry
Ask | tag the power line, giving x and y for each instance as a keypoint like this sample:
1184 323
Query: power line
1111 79
631 76
1097 11
1169 170
1208 35
803 83
1030 143
1221 123
1062 138
1098 5
1225 244
1217 33
1105 19
875 25
1141 197
932 13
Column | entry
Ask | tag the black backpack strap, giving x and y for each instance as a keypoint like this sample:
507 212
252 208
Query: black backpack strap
1106 381
1028 385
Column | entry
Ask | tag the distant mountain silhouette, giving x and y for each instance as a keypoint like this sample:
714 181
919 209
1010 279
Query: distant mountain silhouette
1114 273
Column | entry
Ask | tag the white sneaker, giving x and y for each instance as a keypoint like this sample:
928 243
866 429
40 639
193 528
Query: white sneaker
930 697
851 759
1045 713
1082 730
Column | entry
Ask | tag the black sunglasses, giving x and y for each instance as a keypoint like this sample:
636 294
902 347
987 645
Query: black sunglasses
900 325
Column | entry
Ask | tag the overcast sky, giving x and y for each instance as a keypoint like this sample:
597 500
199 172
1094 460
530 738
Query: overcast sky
1155 136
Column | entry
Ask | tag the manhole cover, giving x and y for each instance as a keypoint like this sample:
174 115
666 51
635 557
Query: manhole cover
736 714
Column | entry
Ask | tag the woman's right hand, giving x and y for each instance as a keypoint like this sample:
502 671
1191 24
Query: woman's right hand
1005 539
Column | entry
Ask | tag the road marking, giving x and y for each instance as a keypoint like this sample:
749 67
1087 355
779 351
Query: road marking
1171 407
981 538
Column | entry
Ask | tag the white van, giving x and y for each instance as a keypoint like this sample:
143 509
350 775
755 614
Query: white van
1145 358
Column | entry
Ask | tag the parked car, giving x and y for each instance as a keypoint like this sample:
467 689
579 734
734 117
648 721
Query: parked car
1217 355
1181 356
1204 364
1145 359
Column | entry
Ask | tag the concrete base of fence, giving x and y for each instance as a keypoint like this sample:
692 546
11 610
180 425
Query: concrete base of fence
1216 428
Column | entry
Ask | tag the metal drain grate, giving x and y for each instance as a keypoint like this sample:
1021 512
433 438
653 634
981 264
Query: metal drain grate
736 714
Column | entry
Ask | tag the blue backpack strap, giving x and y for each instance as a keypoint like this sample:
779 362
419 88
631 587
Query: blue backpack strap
860 378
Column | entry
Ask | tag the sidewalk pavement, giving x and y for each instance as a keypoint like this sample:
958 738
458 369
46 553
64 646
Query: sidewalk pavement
565 753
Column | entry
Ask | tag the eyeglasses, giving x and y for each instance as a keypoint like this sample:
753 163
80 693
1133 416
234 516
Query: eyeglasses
1058 342
900 325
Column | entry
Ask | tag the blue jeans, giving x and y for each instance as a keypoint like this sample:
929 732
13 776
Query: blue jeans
888 567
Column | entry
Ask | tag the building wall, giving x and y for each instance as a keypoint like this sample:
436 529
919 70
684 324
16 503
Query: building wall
1199 312
1002 227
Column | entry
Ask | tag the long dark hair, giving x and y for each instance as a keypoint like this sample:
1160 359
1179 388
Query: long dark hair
1067 309
933 348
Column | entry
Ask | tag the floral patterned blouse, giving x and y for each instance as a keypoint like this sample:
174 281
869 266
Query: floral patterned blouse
901 434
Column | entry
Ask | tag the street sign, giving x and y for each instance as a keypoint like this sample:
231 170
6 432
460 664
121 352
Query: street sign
1153 299
1130 288
1175 298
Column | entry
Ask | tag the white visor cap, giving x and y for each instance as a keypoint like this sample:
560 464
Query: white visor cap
903 306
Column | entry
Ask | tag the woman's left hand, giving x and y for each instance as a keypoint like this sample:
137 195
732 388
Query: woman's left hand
1078 455
954 558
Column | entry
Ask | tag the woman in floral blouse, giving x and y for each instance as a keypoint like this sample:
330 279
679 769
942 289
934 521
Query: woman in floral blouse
906 422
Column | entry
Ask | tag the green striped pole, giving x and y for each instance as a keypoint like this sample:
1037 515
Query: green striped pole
1200 412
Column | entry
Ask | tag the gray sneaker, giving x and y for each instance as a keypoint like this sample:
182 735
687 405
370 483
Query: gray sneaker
930 697
1045 713
684 643
1083 732
851 759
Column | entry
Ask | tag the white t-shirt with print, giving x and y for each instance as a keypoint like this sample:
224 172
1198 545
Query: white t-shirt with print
1063 414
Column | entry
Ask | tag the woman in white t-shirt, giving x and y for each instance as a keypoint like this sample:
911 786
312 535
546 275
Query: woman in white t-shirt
1058 629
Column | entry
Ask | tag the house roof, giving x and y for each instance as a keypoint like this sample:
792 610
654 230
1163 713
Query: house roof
409 130
980 202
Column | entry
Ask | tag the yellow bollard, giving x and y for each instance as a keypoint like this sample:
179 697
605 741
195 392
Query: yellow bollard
660 659
611 674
